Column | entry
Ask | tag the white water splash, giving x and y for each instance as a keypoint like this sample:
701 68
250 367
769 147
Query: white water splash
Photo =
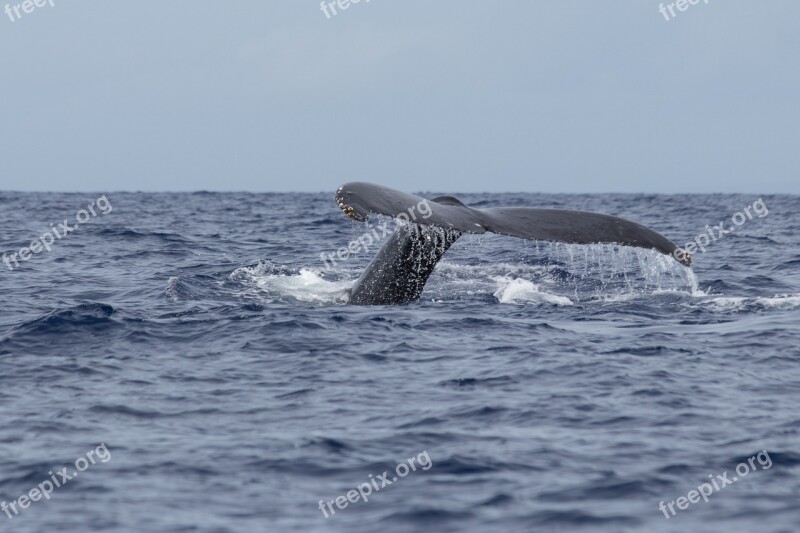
518 290
305 286
694 284
740 302
576 272
572 273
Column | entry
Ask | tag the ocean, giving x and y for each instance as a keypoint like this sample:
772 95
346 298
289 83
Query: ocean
190 363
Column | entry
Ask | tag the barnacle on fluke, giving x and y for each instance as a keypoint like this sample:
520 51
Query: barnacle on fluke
346 209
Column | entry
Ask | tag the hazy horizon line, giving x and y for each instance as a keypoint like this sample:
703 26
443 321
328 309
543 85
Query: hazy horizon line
332 191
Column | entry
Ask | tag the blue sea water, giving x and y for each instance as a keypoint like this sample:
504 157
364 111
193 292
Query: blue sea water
201 339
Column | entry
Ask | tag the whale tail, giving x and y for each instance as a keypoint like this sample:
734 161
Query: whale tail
399 271
401 268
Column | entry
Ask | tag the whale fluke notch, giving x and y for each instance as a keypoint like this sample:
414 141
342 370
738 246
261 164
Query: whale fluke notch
399 271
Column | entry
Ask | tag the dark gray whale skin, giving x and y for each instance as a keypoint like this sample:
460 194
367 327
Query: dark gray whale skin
401 268
398 273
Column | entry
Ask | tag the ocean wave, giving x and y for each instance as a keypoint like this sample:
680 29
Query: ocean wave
743 303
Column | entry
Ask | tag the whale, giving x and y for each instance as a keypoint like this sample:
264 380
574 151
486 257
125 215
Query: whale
427 228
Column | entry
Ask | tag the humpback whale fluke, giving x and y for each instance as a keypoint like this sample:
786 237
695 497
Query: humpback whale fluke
401 268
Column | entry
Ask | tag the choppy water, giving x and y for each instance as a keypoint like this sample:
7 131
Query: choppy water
201 339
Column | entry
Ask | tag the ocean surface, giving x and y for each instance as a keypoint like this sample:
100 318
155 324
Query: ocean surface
196 360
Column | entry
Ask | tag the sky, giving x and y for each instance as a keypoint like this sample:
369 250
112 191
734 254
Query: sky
449 96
